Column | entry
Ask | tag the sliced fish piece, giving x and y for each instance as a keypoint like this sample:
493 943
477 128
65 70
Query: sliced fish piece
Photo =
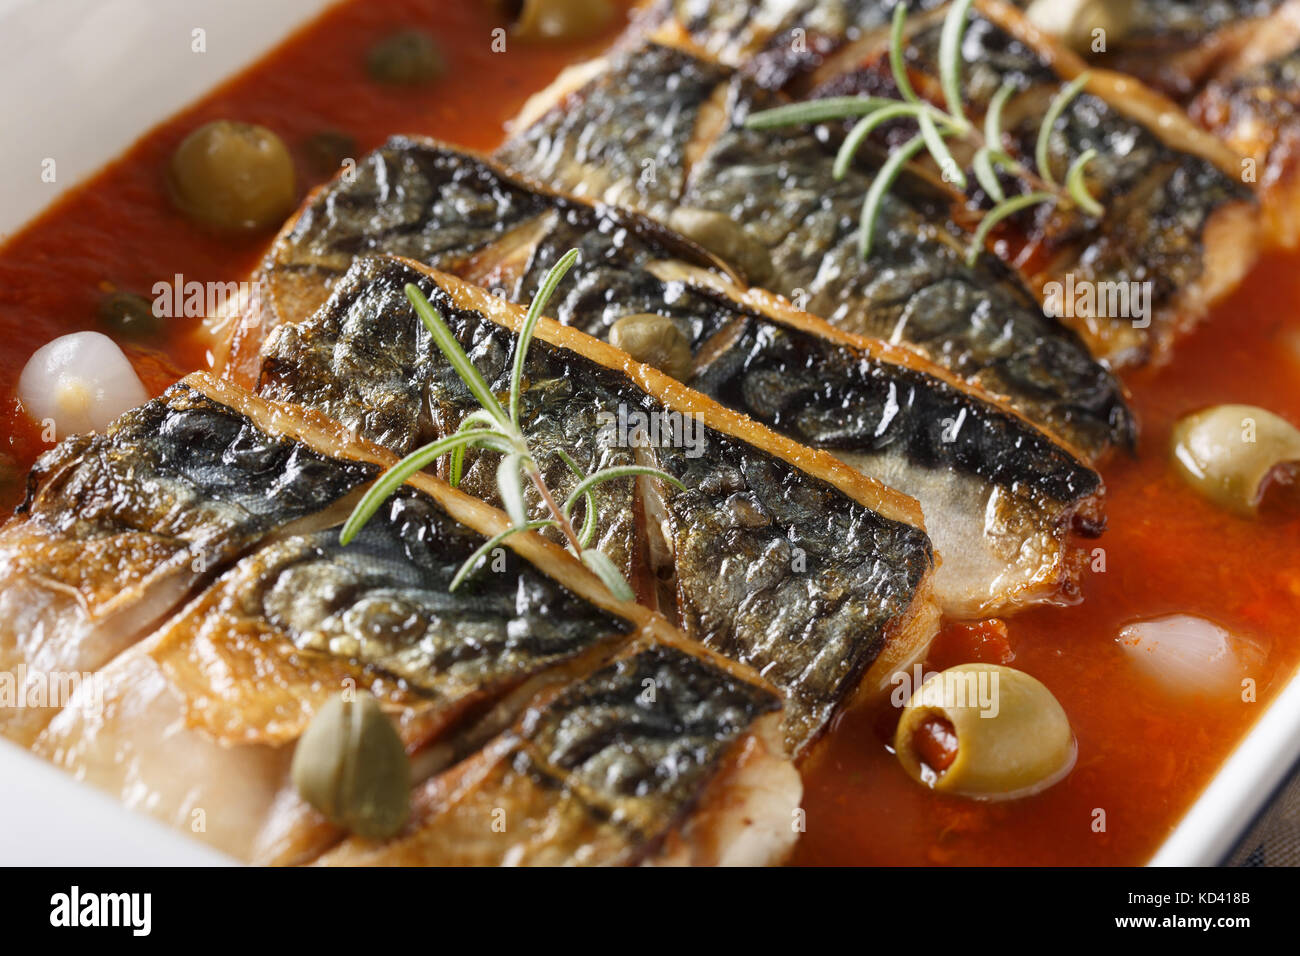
227 685
1000 498
771 195
653 759
775 555
1179 228
118 529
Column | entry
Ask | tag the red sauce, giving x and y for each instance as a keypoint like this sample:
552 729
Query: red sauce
1143 755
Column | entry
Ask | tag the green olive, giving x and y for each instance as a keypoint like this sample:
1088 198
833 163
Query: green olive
405 58
1074 21
351 766
726 239
653 340
233 177
327 149
129 315
1010 736
557 19
1231 454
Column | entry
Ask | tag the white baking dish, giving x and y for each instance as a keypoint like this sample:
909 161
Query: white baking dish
82 79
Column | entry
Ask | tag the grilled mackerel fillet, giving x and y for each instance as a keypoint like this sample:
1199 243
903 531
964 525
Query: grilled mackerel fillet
226 684
1000 497
776 555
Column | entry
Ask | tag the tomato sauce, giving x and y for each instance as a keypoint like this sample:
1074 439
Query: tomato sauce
1143 753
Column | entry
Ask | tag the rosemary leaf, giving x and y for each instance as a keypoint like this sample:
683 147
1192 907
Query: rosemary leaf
543 296
954 26
896 64
997 214
885 177
609 474
864 127
1054 111
511 487
939 150
816 111
418 460
588 532
449 347
486 547
982 163
609 575
993 118
1078 189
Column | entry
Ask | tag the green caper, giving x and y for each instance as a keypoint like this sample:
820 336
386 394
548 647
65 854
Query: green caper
557 19
653 340
326 150
233 176
726 239
405 58
1231 454
129 315
351 766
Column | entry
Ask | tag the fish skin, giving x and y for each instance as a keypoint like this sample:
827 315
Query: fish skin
906 425
245 665
979 322
1167 206
117 529
579 780
728 540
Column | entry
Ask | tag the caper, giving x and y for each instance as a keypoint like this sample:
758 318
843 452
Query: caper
327 149
653 340
233 176
129 315
351 766
405 58
726 239
1074 21
557 19
1231 454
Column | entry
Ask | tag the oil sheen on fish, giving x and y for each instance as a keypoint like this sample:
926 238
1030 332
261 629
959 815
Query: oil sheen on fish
775 555
225 684
1000 498
768 199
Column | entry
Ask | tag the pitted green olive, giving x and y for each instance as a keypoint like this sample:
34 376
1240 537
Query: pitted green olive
405 58
1074 21
1232 453
984 731
726 239
129 315
557 19
233 176
653 340
351 766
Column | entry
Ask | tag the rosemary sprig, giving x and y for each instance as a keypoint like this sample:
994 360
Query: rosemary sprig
935 126
492 428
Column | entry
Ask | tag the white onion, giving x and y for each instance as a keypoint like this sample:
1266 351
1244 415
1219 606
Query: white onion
81 382
1188 655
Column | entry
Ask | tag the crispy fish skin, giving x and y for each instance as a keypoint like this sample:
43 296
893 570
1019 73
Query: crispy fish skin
118 529
227 683
774 555
1179 227
772 193
581 780
1000 497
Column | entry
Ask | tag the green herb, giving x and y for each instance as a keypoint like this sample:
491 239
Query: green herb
492 428
935 126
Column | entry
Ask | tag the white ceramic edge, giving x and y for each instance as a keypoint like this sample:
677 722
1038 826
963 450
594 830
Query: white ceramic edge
85 127
1218 819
